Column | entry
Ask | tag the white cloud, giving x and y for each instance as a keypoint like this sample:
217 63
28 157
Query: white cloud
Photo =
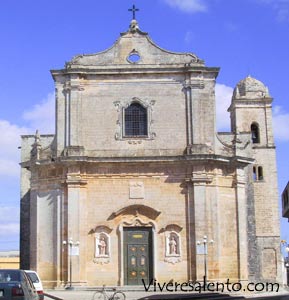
9 225
10 138
281 7
189 36
189 6
9 214
9 168
41 117
223 100
280 124
9 152
9 229
231 26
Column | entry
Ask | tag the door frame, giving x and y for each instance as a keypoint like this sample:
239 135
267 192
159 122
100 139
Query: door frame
136 222
149 254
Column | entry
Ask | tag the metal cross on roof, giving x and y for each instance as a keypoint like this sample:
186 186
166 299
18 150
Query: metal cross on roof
133 10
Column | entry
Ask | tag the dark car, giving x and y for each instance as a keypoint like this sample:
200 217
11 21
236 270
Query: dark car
16 285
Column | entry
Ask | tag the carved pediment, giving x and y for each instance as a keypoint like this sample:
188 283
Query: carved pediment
135 210
135 41
101 228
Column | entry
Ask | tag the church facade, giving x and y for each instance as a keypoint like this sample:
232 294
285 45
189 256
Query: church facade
136 174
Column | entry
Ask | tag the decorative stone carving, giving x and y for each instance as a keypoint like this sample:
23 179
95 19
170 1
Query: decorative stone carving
136 190
73 86
138 221
36 147
133 27
195 84
134 142
74 151
136 209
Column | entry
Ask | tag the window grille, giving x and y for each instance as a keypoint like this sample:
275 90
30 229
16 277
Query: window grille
135 120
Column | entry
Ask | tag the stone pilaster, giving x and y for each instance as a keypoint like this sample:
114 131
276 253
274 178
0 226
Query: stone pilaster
242 230
197 220
74 192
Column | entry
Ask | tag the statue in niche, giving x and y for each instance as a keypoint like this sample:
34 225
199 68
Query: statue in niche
102 246
172 245
173 248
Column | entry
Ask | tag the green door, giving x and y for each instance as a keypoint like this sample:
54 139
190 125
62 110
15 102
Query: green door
137 255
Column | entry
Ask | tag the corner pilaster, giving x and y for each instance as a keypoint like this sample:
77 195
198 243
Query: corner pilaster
196 220
76 196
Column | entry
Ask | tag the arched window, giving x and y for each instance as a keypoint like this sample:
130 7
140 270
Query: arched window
255 174
135 118
255 133
258 173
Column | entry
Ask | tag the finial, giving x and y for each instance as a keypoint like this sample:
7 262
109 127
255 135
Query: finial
37 136
36 147
133 10
133 27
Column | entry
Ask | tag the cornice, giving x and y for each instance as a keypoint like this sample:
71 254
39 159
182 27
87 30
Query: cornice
135 69
160 159
195 158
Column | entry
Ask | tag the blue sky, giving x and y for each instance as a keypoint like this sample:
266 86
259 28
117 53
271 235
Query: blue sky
242 37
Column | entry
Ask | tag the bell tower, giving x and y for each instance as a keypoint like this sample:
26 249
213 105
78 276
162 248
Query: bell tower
251 112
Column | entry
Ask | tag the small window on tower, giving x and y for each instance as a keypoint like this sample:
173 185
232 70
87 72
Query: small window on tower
258 173
255 134
254 174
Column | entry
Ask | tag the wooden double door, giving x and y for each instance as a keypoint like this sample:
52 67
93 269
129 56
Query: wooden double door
138 255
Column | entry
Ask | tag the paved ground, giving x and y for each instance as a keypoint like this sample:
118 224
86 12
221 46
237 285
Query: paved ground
135 295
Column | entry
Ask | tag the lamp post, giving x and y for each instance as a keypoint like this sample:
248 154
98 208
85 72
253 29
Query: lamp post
287 264
205 245
286 260
71 244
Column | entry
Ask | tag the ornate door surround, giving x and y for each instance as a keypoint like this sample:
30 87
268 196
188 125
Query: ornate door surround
135 224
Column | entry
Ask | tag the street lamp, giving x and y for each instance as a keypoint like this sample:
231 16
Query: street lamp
287 263
286 259
71 244
205 245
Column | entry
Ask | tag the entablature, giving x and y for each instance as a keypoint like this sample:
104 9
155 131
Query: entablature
196 158
135 69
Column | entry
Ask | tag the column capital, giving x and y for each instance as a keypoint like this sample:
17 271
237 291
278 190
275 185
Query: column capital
198 180
194 84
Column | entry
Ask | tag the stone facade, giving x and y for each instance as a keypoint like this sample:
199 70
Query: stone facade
106 190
